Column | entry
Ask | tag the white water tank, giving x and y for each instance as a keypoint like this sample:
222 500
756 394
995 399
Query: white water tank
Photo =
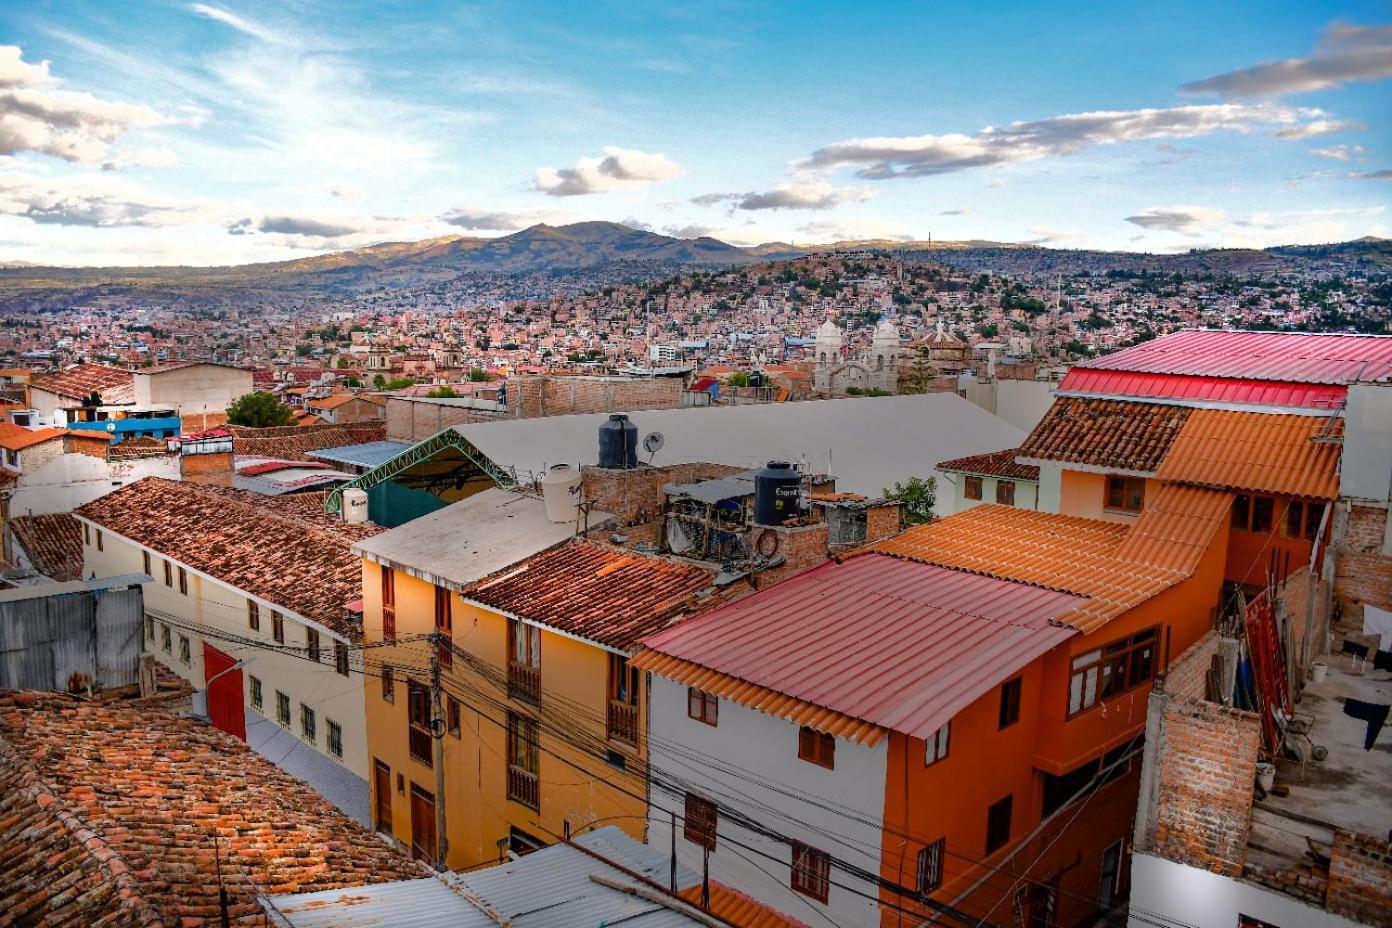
560 491
354 505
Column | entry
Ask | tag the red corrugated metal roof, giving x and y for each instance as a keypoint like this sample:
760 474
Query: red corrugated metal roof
895 642
1083 381
1287 356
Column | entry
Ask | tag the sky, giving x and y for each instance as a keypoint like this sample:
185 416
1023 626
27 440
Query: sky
143 132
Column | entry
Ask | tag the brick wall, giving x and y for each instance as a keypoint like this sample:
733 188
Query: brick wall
1360 879
534 395
1204 764
634 495
802 547
1186 674
207 468
36 456
414 419
1362 574
881 522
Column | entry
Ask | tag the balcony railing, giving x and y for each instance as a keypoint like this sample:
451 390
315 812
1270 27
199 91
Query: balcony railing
524 682
524 787
623 722
422 746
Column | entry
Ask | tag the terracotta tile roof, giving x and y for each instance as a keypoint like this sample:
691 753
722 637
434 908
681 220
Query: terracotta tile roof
602 594
1113 434
53 543
1257 452
733 906
1085 557
116 385
332 401
108 815
294 442
277 550
993 464
17 437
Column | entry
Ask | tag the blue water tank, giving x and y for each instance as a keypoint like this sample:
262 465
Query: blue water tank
776 492
618 443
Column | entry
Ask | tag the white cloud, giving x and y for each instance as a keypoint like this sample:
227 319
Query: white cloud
1381 174
1185 219
1344 54
793 195
125 158
241 24
1339 152
620 167
98 200
1315 128
1055 237
495 220
15 72
345 192
925 155
848 230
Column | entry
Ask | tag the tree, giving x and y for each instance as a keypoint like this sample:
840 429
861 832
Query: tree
916 499
478 375
738 379
443 393
259 410
342 363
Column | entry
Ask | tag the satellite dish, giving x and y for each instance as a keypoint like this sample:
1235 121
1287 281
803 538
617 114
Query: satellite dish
652 442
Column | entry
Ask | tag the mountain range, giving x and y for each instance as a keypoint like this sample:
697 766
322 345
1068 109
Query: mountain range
602 250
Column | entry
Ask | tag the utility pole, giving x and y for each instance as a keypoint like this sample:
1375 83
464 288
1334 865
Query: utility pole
437 740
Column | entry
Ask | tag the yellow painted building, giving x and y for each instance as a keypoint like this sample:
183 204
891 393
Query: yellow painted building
540 720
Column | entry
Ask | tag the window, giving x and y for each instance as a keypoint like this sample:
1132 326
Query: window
150 629
145 562
971 488
388 685
183 581
1010 702
935 749
1241 512
930 866
278 626
185 652
1262 509
444 624
1005 492
1109 880
524 783
254 685
312 641
166 639
1302 520
86 534
452 716
811 871
622 719
168 574
998 824
253 616
700 821
418 711
100 545
388 604
335 738
1111 669
307 729
1125 494
282 709
817 747
341 658
524 661
702 706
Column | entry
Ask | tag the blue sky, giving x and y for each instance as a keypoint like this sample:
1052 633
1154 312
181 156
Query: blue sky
220 132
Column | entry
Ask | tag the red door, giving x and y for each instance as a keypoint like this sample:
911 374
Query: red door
225 694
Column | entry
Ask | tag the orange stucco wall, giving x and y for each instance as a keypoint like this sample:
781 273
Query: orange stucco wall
950 798
1085 494
1252 554
578 788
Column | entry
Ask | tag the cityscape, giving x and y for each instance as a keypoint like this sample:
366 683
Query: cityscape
726 467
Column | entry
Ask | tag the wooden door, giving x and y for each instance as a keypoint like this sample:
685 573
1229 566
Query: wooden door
224 696
382 797
422 824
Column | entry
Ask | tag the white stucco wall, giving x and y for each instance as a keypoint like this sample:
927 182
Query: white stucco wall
1366 471
767 748
195 389
71 480
1050 486
954 487
1023 403
1183 895
222 609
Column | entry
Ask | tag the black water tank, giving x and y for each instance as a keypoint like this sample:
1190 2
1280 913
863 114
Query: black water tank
618 443
776 491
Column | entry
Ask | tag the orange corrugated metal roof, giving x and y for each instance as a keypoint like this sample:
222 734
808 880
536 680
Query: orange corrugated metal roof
754 696
1085 557
733 906
1258 452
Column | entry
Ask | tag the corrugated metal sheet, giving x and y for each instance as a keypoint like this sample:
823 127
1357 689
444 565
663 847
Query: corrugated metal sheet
1083 381
550 888
62 636
1258 452
895 643
1288 356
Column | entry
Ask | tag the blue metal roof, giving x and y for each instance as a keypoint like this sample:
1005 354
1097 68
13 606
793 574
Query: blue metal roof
368 454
